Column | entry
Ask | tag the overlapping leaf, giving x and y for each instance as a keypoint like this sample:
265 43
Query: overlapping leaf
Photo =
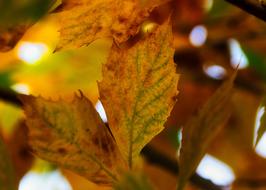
87 20
262 127
138 90
7 178
72 135
201 129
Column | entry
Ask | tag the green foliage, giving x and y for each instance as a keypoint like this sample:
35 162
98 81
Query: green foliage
257 61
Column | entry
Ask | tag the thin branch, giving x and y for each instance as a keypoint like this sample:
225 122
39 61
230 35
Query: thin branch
254 7
153 156
10 96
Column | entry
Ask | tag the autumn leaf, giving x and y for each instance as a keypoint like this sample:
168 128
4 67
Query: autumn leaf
139 89
73 136
201 128
133 181
262 127
85 21
7 178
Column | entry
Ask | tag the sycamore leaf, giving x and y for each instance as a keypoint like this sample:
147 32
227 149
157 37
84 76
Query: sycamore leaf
138 90
73 136
262 127
133 181
85 21
201 129
7 178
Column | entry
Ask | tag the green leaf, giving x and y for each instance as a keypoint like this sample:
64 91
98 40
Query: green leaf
202 128
262 127
72 135
139 89
7 178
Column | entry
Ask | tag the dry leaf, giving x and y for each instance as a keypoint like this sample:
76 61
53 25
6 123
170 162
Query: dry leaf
201 129
73 136
262 127
83 22
7 178
139 89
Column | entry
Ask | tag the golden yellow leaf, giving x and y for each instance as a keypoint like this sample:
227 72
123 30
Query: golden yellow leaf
201 128
7 178
73 136
83 22
138 90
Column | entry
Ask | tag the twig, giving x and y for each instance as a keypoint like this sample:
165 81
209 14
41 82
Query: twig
10 96
254 7
152 155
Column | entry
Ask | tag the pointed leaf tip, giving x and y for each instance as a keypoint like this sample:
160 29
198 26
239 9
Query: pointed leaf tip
138 90
202 128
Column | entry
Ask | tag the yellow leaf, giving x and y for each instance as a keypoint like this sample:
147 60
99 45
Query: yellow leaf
138 90
7 178
201 128
83 22
73 136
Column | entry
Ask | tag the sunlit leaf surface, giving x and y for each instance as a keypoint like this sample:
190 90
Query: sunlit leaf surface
83 22
139 89
72 135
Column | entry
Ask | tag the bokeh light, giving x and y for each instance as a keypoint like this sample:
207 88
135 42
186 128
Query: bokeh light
21 88
198 35
238 57
100 109
261 146
216 171
31 52
214 71
44 181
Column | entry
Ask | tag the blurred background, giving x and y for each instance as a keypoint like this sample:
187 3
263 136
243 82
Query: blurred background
211 38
